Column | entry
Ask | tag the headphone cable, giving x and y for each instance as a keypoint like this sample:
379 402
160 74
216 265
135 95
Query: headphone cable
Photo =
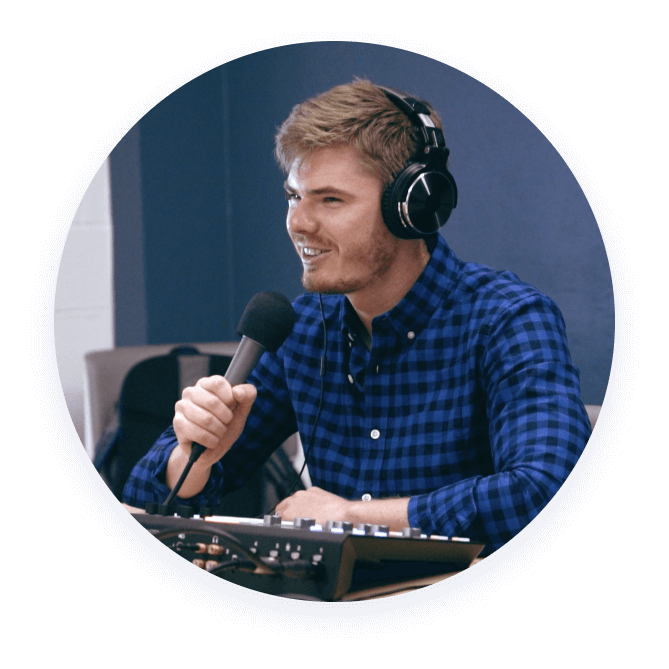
324 364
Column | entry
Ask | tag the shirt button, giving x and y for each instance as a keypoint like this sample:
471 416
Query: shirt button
350 379
375 434
411 335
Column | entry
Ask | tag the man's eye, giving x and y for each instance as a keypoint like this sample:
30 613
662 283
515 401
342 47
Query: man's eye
330 200
290 196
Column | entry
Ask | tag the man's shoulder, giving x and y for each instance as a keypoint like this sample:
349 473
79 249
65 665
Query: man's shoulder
472 283
500 287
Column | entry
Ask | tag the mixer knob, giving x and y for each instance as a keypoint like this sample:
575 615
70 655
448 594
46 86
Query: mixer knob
366 528
273 519
342 525
380 528
304 523
411 532
185 511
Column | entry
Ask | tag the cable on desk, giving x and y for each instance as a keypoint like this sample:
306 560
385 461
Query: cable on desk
228 540
229 565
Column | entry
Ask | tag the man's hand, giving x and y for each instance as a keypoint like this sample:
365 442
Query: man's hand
212 413
314 503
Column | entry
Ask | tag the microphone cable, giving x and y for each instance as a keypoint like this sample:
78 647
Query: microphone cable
196 451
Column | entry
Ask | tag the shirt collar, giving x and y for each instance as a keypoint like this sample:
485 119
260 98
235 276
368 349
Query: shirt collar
415 309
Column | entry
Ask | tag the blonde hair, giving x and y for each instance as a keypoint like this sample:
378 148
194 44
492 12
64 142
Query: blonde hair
358 114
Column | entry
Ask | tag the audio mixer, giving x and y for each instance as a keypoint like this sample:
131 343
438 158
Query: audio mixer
302 559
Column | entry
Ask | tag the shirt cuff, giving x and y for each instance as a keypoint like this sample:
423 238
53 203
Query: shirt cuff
447 512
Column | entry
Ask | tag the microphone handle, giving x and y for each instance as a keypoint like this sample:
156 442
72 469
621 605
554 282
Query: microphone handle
246 357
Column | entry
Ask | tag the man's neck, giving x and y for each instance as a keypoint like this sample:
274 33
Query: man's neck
398 281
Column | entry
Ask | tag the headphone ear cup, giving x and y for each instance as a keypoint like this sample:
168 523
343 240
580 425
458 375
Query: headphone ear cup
390 203
418 201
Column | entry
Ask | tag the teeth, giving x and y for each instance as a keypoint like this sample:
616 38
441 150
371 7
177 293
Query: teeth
311 252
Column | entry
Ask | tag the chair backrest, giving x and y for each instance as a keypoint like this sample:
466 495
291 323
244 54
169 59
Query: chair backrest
130 395
105 372
145 408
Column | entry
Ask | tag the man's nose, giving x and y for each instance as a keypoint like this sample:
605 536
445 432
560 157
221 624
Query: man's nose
300 219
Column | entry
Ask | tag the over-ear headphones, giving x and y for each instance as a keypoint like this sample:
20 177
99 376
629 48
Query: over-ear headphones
422 196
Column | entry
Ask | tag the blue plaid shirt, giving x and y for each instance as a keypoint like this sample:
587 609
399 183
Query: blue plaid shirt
467 403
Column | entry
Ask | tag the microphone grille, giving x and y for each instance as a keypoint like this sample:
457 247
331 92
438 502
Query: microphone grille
268 319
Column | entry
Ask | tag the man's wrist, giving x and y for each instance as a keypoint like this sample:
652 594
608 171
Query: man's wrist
391 512
197 477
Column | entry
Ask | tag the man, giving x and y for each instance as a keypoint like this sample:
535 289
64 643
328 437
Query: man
450 401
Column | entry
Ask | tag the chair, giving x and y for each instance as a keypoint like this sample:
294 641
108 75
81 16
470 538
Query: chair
136 387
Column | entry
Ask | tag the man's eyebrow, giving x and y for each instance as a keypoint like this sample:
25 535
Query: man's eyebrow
326 190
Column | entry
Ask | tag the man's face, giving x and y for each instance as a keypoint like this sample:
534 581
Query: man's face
334 220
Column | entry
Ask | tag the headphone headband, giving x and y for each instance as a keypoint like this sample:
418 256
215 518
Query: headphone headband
421 197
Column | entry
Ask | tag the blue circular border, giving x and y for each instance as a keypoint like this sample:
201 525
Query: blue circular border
331 620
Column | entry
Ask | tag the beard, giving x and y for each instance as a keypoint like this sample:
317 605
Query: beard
363 267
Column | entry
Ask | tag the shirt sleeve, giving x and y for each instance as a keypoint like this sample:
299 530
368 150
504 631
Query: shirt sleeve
270 422
146 483
538 428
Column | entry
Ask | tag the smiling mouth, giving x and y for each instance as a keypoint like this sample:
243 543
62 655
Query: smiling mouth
308 253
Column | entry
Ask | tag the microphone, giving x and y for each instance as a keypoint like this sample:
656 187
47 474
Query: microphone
265 324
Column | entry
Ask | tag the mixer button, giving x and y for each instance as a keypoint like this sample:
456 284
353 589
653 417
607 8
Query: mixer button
271 519
411 532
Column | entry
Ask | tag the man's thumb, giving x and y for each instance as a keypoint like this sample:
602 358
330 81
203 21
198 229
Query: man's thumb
244 394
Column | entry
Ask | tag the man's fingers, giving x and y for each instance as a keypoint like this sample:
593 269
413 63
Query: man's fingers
210 410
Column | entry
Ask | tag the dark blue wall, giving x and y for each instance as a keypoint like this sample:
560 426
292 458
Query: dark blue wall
203 230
